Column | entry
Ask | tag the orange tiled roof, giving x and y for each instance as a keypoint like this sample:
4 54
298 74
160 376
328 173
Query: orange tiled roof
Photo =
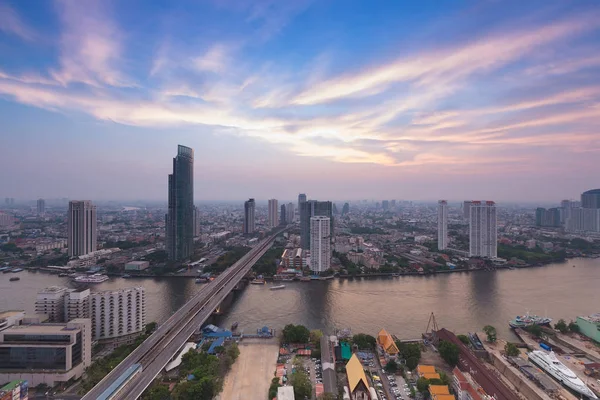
386 341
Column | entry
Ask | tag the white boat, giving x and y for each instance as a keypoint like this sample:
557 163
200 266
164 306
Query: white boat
95 278
550 363
277 287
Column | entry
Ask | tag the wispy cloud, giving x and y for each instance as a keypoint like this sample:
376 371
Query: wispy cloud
446 65
11 23
432 108
91 45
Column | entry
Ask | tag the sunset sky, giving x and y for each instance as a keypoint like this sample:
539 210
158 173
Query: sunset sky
341 100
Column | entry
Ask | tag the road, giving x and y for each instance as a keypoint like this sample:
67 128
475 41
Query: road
156 351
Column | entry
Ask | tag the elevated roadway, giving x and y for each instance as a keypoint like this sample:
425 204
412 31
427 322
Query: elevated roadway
158 349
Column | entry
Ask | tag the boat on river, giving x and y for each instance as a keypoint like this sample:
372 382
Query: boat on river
14 278
277 287
95 278
552 365
523 321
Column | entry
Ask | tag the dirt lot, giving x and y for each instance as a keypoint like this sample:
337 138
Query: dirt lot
252 372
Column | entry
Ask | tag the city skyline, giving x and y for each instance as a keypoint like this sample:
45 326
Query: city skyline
405 98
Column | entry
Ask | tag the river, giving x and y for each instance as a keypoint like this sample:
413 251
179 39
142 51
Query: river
461 301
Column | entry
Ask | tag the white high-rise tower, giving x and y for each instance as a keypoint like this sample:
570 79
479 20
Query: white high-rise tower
320 244
483 229
273 213
82 228
442 224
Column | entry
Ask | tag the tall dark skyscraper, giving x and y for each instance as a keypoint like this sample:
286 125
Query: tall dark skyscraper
180 218
301 199
283 215
313 208
249 222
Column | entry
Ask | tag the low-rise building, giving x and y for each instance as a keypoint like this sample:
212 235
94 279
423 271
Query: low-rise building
590 326
10 318
285 393
51 302
15 390
387 344
45 353
466 388
440 392
358 384
427 372
136 265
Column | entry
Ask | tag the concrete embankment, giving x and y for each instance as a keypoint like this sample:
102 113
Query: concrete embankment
520 382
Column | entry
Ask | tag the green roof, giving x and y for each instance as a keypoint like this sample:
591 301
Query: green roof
11 385
346 352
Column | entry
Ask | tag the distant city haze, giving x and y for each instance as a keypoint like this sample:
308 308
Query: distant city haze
418 101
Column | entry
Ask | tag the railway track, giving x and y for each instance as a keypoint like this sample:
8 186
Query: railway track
152 348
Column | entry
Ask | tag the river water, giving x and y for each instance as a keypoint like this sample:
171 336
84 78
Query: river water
461 301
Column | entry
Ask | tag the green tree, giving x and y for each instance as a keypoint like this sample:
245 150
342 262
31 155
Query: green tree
464 339
444 378
535 330
296 334
219 349
391 367
315 336
150 327
301 383
449 352
233 351
412 363
158 392
364 341
273 388
573 327
511 350
327 396
561 326
490 331
422 384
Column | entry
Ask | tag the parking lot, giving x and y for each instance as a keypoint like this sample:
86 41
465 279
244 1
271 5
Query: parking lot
312 366
387 386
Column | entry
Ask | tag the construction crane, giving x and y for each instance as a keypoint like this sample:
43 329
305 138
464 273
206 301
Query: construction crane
431 335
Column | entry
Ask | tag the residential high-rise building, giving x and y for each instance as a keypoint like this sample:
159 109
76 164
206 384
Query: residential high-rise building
180 216
45 353
82 233
117 316
249 207
283 215
197 226
118 313
583 220
548 217
585 216
467 210
320 243
273 213
591 199
291 213
442 224
309 209
51 302
393 203
483 230
41 206
6 219
385 205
